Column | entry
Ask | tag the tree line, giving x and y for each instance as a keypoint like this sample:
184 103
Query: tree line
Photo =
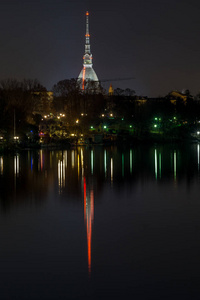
28 101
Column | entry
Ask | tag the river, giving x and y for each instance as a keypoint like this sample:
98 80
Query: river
101 223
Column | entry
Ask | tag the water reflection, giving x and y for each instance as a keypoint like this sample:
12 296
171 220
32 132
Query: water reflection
156 165
73 158
72 173
146 206
41 161
92 161
160 165
111 170
1 165
16 165
61 174
131 161
175 165
88 217
122 164
107 165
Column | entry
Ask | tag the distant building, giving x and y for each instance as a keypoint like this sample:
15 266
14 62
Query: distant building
87 73
175 95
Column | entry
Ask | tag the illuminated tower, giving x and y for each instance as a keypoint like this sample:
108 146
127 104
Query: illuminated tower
87 73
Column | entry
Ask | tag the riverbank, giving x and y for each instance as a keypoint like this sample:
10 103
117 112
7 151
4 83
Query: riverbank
97 140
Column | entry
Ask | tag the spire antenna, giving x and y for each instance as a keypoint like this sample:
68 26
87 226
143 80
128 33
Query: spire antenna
87 35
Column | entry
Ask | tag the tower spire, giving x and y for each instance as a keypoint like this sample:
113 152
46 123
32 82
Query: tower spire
87 58
87 35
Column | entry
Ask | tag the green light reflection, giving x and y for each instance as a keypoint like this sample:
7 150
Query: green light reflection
156 165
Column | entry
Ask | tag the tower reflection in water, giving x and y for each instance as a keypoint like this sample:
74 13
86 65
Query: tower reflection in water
88 217
75 165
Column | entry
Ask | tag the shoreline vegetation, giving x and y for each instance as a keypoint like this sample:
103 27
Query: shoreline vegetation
33 118
109 140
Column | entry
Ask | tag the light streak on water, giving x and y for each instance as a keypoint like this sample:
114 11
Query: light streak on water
198 155
73 159
1 165
65 156
175 158
61 173
156 165
92 161
122 164
90 217
41 160
160 165
105 163
16 165
50 157
131 161
78 166
111 169
82 160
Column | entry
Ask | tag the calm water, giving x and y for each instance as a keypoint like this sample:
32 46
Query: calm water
101 223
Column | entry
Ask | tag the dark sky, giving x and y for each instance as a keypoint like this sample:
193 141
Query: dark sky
155 41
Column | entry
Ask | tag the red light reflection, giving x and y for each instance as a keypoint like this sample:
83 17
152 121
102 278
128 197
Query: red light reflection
89 217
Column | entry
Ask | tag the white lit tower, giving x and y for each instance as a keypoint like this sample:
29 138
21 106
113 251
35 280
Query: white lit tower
87 72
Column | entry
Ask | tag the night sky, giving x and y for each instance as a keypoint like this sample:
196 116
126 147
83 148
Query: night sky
156 42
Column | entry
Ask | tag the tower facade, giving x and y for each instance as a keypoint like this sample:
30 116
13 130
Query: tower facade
87 73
